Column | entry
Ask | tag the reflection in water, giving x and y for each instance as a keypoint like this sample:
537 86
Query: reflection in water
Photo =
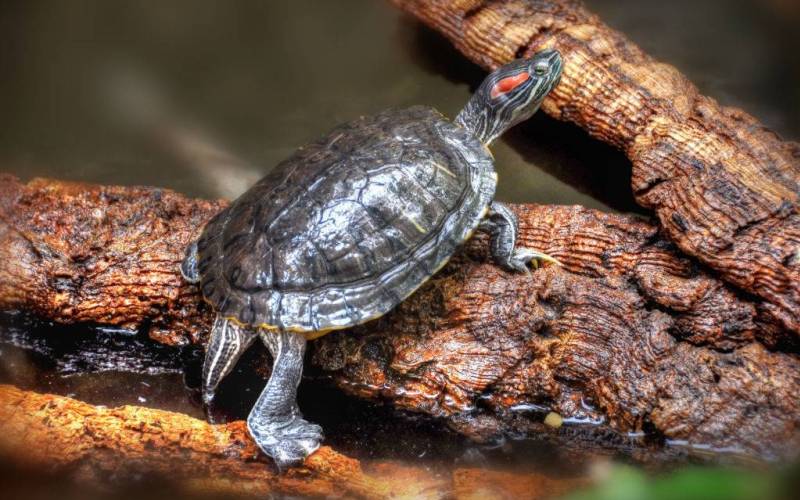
97 366
115 368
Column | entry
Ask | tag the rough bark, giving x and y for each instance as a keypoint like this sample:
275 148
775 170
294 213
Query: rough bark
79 253
628 335
95 443
724 188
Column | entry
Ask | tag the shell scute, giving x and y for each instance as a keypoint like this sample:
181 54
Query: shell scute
349 225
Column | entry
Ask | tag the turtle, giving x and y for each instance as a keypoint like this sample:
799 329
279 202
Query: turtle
346 228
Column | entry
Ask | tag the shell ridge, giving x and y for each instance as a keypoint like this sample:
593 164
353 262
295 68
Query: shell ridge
359 145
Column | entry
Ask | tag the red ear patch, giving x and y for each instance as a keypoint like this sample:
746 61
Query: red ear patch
508 84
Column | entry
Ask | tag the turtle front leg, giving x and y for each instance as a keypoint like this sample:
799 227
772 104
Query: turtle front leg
275 421
228 342
501 224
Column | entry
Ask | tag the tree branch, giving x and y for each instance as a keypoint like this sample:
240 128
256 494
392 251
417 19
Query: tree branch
628 335
724 188
42 429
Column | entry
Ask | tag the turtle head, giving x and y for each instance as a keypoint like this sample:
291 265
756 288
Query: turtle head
510 94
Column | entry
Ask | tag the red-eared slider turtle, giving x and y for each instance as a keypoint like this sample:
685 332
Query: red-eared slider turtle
348 227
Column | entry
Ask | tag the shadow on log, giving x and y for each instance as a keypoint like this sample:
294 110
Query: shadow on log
724 188
628 339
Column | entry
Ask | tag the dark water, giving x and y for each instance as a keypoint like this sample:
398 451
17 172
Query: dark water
114 367
86 85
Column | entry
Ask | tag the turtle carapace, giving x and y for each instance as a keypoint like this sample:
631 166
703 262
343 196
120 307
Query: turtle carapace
347 227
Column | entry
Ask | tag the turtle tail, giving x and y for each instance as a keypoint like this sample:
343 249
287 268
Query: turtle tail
189 265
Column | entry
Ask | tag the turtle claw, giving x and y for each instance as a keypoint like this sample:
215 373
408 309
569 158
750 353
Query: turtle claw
287 442
523 256
502 226
189 265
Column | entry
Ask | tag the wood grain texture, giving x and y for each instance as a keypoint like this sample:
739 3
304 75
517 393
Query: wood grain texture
79 253
724 188
628 336
94 443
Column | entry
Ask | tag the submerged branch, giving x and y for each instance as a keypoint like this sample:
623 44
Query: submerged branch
724 188
627 337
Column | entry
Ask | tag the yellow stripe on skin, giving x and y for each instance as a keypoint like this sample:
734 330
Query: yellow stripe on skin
308 334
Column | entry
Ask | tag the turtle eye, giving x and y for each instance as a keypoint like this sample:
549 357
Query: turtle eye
540 69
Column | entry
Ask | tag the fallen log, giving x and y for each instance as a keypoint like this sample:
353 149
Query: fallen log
724 188
95 443
627 337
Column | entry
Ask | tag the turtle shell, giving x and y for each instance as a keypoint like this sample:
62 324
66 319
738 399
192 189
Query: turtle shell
348 226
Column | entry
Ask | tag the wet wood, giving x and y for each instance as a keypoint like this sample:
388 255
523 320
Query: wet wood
628 339
95 443
92 444
724 188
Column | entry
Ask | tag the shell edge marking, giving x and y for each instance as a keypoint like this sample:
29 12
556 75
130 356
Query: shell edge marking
308 334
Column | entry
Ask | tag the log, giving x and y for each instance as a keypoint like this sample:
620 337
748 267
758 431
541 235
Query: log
725 189
92 444
78 253
627 337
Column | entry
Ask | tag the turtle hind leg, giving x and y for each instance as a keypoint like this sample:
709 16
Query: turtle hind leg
275 421
189 265
501 224
227 344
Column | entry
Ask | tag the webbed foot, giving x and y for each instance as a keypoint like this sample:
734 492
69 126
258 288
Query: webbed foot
275 421
288 441
227 344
